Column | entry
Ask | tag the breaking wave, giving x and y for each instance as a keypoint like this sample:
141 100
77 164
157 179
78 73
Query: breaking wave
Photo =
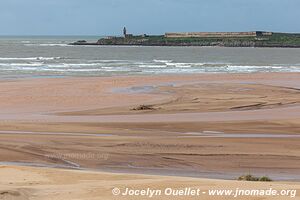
48 45
31 58
68 66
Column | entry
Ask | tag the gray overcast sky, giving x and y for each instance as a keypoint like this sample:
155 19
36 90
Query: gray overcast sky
107 17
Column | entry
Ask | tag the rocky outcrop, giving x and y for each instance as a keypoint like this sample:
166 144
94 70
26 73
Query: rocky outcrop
274 40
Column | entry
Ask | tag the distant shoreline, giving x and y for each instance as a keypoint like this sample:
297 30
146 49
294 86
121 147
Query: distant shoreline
141 45
202 39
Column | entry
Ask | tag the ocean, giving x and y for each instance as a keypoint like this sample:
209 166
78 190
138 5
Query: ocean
52 56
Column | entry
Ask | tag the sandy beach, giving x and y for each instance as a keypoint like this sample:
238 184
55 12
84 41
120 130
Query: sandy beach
78 138
149 100
43 184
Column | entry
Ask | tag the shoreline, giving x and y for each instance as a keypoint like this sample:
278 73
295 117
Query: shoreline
163 75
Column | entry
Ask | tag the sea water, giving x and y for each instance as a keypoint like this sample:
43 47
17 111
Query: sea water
52 56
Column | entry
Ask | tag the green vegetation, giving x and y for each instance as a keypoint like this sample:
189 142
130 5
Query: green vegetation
250 177
265 179
282 39
275 40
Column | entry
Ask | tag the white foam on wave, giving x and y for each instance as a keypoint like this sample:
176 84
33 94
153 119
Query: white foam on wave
189 64
48 45
24 68
163 61
110 61
81 64
173 70
152 66
256 67
75 65
51 64
179 65
30 58
54 45
21 64
102 69
70 70
246 66
260 68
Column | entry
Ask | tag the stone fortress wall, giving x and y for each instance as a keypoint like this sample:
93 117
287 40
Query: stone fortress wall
217 34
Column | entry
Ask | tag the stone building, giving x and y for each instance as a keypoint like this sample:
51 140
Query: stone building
217 34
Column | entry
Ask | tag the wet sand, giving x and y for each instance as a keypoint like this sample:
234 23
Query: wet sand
163 153
216 126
